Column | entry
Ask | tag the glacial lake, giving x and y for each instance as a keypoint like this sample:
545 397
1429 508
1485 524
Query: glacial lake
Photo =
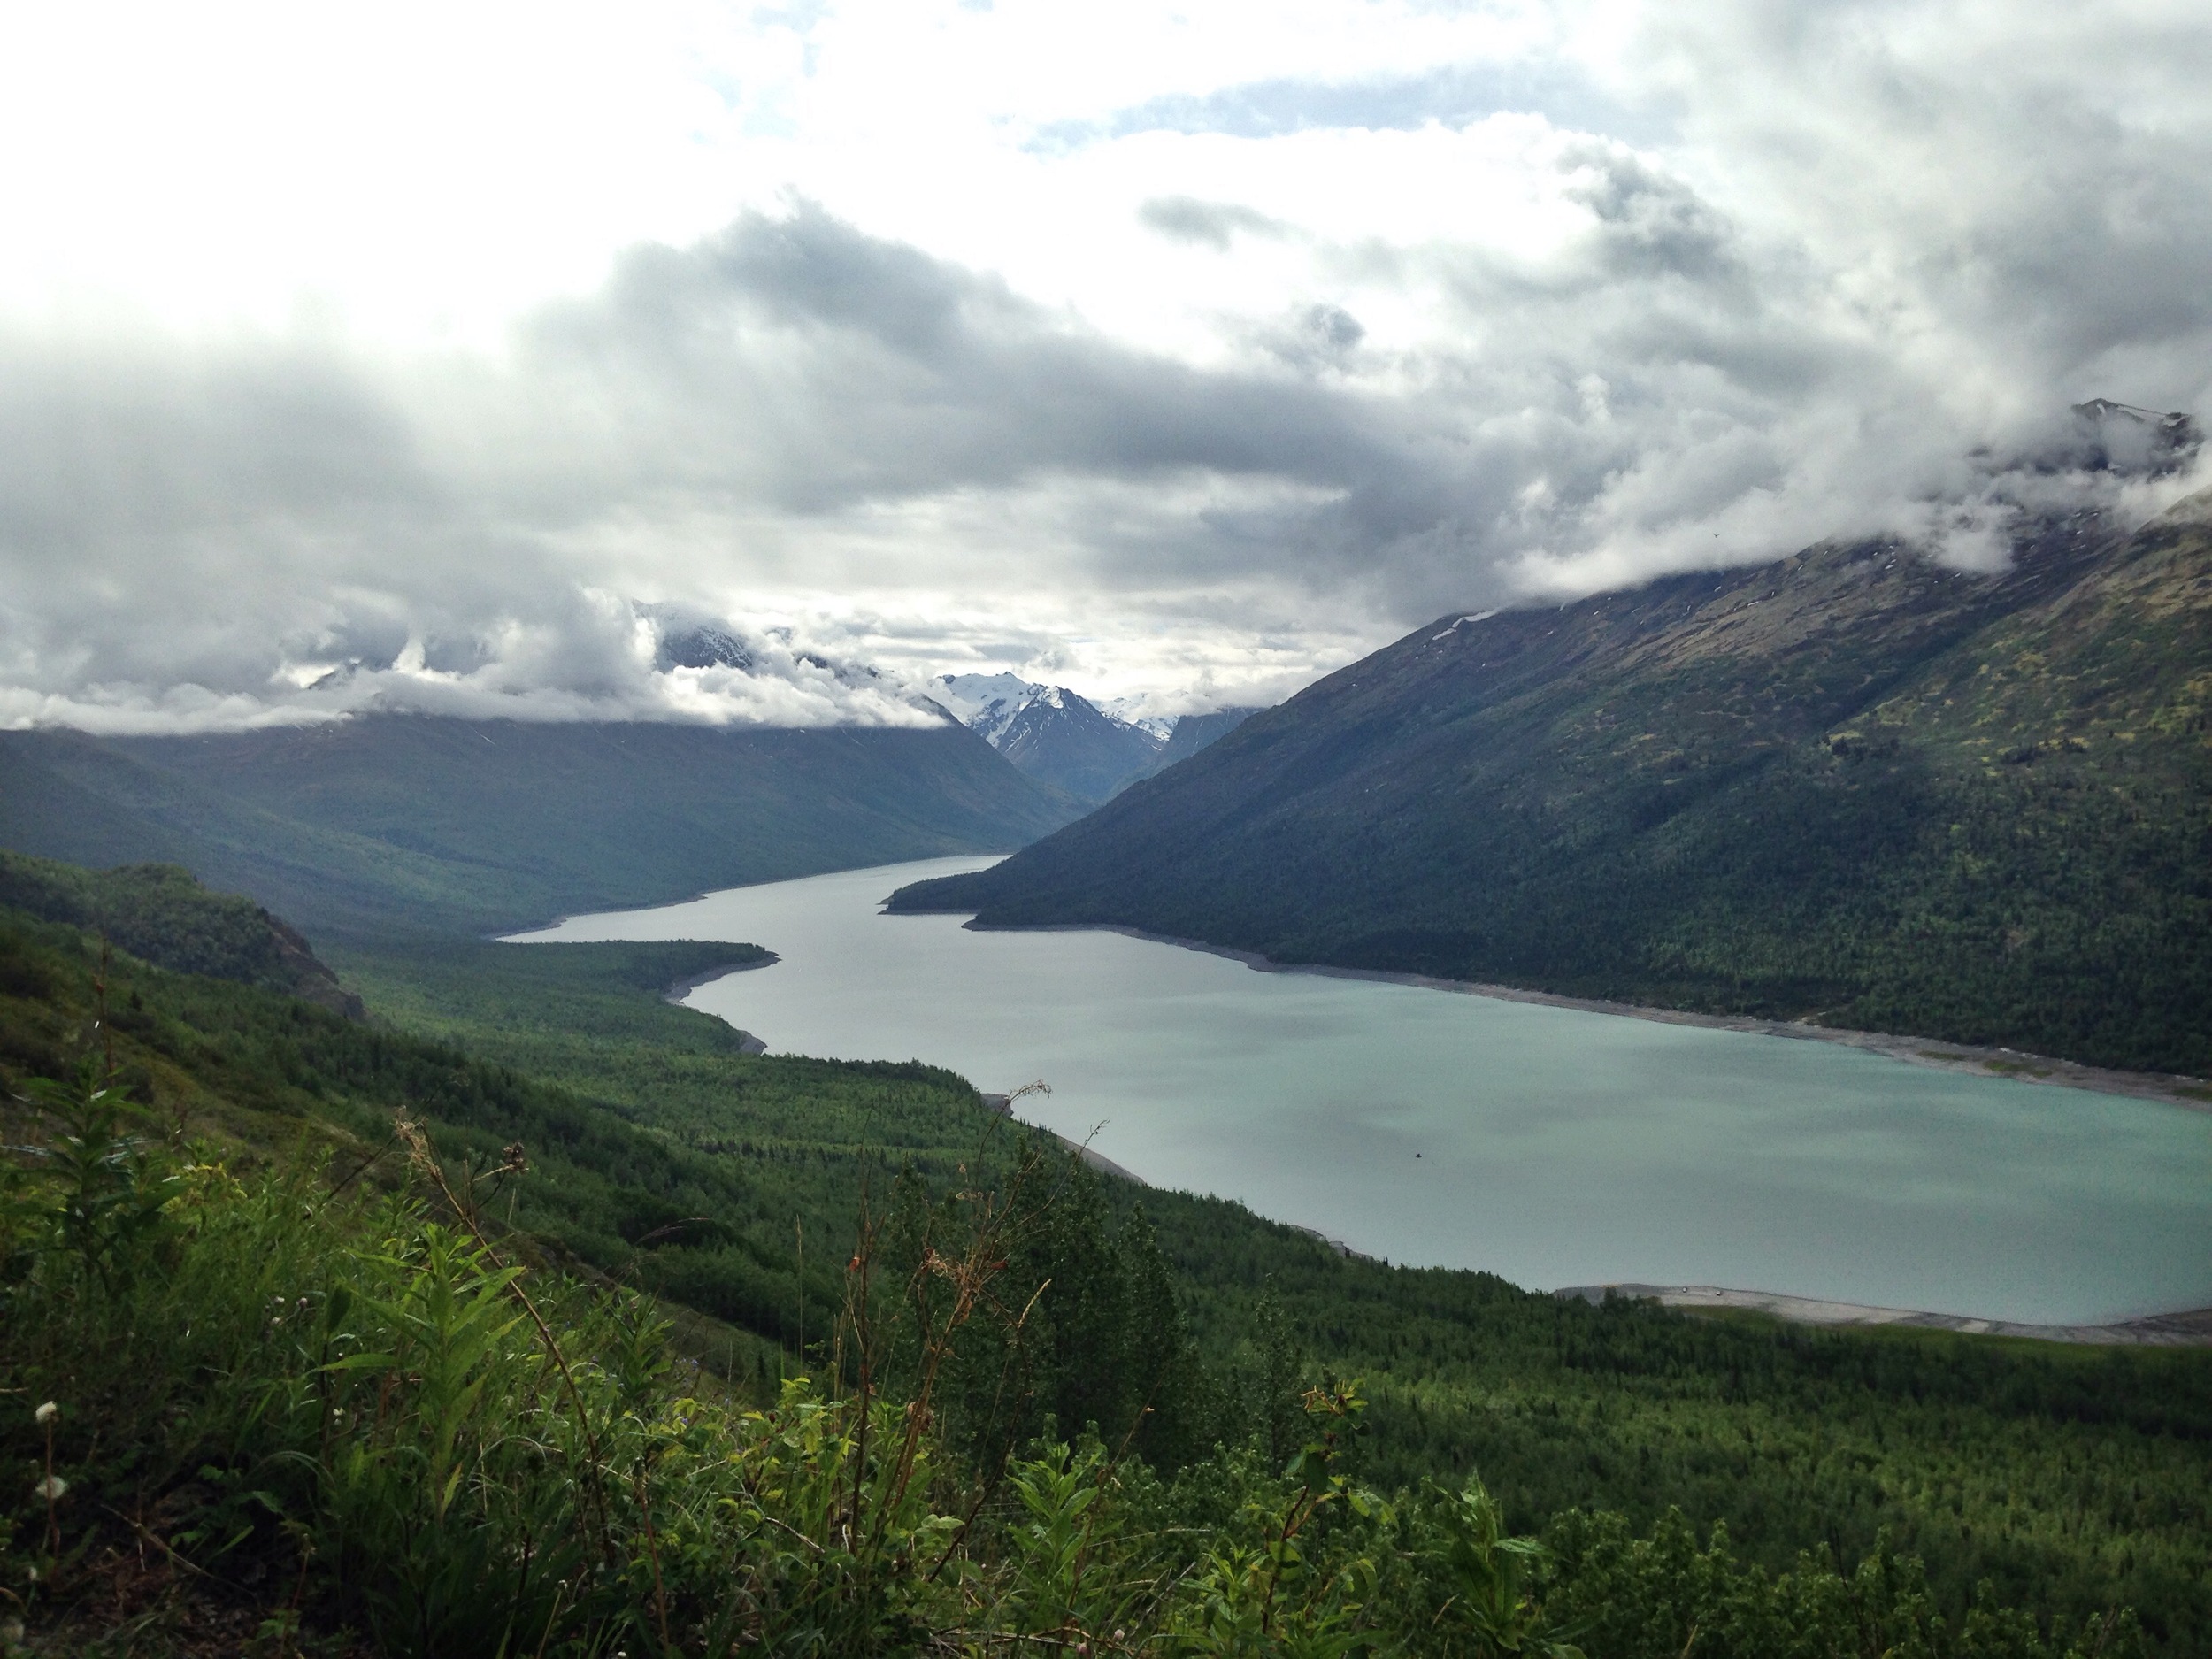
1551 1145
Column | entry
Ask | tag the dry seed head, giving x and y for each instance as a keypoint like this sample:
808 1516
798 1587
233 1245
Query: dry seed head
46 1413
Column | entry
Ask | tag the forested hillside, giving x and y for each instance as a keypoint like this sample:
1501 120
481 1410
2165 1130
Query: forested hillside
162 913
392 1448
394 824
1855 787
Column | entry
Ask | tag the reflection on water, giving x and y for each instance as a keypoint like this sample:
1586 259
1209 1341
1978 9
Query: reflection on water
1550 1146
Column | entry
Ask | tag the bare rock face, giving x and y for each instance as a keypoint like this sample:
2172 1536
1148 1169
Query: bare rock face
310 978
2121 438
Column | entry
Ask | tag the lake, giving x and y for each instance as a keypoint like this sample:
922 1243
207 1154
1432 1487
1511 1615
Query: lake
1550 1145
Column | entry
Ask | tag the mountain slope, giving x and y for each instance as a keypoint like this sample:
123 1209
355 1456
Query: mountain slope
160 914
399 825
1853 786
1194 732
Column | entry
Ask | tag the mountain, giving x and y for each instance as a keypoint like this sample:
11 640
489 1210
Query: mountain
1092 750
395 825
1063 740
984 703
2110 437
1855 787
1052 734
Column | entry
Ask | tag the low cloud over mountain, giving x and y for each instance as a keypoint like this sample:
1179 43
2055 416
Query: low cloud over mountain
1577 315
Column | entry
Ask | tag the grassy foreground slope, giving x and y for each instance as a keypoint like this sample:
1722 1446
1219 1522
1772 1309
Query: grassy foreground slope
1853 786
411 826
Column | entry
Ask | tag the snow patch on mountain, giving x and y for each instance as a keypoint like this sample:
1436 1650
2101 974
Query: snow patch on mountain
1137 711
984 703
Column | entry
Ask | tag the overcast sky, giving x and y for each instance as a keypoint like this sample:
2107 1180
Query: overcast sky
1180 349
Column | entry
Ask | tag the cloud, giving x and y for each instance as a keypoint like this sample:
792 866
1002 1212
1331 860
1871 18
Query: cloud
1451 96
799 360
1258 373
1216 224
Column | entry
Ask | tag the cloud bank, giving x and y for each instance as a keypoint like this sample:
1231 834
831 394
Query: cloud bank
1188 391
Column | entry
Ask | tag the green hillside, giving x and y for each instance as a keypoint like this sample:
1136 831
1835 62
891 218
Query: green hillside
401 826
1853 786
162 913
389 1452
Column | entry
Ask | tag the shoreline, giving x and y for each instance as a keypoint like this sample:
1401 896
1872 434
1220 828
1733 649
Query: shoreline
2190 1329
2186 1328
1004 1105
2192 1094
679 989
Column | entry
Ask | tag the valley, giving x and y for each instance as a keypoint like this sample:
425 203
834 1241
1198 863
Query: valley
993 830
1557 1145
640 1145
1945 823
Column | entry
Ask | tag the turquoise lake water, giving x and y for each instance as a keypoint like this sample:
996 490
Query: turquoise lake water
1554 1147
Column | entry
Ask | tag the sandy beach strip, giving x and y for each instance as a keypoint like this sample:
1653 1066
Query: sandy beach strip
2169 1329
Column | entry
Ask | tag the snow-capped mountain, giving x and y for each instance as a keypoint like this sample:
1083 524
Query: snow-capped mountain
1131 711
710 667
690 644
1052 734
984 703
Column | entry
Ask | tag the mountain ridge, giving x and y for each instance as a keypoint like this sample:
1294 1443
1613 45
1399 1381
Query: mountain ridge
1855 786
404 825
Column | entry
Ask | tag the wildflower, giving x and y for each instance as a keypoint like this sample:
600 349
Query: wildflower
52 1487
46 1413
